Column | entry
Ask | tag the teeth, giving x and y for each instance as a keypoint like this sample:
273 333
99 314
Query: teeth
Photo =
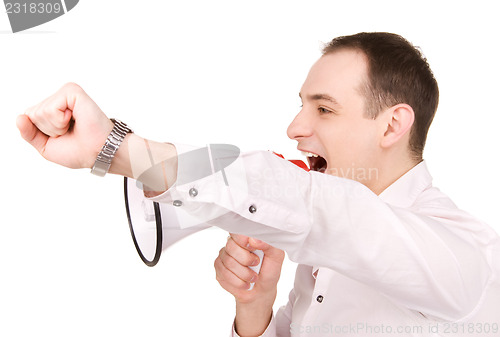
309 154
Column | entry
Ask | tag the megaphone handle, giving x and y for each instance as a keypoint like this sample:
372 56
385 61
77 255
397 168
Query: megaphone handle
256 268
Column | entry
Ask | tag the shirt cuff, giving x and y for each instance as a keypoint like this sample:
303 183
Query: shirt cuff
270 330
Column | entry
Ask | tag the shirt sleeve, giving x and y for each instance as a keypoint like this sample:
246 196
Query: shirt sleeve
410 255
284 317
270 330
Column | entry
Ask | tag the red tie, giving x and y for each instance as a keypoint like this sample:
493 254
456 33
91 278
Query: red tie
297 162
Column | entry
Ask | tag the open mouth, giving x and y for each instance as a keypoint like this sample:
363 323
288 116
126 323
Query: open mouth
316 162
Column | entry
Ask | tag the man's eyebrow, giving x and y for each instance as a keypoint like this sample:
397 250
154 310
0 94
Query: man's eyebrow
324 97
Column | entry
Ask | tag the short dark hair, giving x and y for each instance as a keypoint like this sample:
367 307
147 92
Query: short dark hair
397 73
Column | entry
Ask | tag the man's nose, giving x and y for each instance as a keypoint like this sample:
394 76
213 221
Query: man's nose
300 126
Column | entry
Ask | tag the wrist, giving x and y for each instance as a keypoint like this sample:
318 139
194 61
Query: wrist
108 151
251 322
255 309
258 299
121 162
153 164
253 317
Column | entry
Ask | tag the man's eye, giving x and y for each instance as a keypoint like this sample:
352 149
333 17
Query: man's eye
324 110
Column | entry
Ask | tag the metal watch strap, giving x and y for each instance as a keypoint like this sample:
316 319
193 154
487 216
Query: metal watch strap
108 151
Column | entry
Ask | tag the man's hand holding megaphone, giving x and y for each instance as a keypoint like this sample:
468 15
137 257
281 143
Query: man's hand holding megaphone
235 276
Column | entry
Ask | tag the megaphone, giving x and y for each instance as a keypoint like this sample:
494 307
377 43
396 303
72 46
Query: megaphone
157 226
154 226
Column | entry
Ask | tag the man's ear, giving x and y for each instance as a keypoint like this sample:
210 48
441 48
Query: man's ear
398 122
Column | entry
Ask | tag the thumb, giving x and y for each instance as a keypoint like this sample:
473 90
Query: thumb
268 250
30 133
257 244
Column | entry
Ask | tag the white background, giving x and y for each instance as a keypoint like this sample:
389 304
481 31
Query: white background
201 72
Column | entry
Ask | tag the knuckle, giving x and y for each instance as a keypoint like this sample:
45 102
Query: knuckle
229 241
223 257
241 255
34 112
240 240
249 259
28 111
234 247
229 262
236 238
219 265
243 274
243 285
231 248
59 125
217 276
221 251
249 276
42 112
227 280
71 86
52 113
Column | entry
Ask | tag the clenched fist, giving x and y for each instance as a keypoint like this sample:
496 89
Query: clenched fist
67 128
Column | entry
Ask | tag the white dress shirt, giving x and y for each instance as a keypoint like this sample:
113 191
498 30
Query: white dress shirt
407 262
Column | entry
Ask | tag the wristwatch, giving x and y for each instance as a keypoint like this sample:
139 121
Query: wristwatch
108 151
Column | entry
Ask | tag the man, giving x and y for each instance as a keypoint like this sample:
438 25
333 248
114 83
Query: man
367 103
379 249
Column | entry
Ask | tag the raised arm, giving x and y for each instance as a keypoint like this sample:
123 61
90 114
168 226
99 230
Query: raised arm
68 128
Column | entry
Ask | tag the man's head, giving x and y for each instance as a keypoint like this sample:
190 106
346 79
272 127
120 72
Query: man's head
369 95
397 73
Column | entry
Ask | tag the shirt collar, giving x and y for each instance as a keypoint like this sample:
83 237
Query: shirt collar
404 191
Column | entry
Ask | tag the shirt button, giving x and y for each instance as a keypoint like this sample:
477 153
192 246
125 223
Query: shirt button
319 299
177 203
252 209
193 192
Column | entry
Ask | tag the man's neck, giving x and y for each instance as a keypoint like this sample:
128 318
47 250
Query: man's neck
388 171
